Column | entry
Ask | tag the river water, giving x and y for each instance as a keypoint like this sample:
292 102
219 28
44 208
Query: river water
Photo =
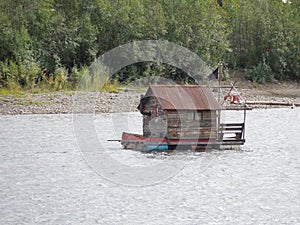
46 178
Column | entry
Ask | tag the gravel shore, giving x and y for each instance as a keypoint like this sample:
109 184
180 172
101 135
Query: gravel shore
62 103
124 101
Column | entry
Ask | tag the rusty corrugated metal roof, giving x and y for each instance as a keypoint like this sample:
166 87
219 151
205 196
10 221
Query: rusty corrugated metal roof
184 97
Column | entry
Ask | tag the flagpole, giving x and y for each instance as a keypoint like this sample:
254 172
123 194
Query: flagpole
219 94
219 78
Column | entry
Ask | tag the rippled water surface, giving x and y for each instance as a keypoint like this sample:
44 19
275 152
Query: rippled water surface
45 180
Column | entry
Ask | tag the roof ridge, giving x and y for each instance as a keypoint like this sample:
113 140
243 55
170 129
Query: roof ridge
184 97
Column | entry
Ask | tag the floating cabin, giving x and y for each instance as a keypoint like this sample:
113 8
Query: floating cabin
182 117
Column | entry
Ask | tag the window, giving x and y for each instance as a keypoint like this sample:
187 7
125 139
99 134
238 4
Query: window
194 116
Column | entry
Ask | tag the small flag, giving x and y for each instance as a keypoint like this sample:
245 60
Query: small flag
220 3
214 75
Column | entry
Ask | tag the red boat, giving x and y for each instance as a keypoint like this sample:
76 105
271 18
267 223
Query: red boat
138 142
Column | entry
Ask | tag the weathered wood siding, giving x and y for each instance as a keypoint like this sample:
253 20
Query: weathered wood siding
183 124
154 125
189 124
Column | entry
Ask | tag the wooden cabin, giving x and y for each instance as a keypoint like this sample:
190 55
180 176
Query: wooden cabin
183 117
180 112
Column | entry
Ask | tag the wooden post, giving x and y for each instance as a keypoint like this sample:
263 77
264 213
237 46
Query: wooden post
244 129
220 67
219 124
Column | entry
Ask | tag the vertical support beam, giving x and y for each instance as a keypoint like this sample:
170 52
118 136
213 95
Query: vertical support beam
219 124
243 137
220 67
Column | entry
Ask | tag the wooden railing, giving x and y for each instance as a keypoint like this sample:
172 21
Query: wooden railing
231 131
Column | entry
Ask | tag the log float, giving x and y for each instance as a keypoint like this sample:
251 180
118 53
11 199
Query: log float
272 103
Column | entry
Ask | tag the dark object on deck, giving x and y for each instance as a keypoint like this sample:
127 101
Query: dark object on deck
141 107
182 116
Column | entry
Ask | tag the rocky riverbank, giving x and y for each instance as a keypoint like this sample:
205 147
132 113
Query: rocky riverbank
125 100
62 102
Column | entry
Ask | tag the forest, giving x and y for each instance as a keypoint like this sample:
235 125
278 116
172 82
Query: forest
48 44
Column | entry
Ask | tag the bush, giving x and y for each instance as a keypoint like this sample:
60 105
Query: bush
60 75
261 73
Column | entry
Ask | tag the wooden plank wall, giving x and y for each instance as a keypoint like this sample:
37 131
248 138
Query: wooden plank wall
191 124
186 124
153 127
